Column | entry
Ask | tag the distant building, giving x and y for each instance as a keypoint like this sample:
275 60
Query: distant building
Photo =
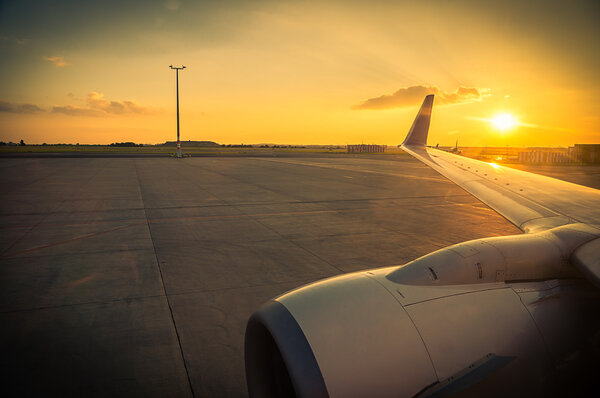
587 153
579 153
546 155
362 148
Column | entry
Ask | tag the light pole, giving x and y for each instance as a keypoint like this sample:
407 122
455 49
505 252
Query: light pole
177 69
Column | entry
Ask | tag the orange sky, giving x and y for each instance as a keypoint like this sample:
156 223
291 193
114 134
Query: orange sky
293 72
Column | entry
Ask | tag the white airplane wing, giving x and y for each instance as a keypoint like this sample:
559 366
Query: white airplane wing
531 202
520 308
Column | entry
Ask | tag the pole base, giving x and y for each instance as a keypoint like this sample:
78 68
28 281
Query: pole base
179 154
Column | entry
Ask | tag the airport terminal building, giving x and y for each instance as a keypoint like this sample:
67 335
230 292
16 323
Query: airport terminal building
579 153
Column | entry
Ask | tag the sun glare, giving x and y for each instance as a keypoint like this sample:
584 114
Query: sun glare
504 121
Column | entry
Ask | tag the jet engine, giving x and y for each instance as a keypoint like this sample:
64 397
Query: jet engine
497 316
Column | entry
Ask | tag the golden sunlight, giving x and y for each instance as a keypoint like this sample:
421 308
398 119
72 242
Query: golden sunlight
504 121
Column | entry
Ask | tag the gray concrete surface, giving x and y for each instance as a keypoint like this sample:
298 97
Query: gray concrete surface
135 276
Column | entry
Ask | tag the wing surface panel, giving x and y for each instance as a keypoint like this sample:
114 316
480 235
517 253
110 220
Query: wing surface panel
530 201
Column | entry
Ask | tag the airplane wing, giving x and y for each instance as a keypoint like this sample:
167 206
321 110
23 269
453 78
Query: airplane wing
531 202
520 308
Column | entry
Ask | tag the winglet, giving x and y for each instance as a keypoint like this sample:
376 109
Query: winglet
420 127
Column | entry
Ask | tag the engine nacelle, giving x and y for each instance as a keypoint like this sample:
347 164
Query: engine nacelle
353 328
387 333
537 256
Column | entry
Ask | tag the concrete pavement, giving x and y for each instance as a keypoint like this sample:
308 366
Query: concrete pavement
135 276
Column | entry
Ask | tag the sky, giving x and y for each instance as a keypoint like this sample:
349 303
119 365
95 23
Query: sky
300 72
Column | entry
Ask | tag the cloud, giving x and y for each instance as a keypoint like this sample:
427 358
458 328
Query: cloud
6 106
74 110
97 105
462 95
57 60
413 95
96 101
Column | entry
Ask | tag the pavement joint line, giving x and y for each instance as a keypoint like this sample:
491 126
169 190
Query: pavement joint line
267 227
200 291
238 179
82 253
280 237
159 220
238 204
191 244
3 255
33 227
150 221
336 167
34 181
5 165
44 216
276 232
69 240
199 217
341 167
299 246
50 307
162 281
83 223
352 213
317 256
72 212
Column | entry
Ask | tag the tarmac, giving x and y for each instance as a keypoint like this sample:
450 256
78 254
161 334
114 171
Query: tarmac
135 276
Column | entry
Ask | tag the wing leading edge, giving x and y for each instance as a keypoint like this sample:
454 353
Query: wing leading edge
531 202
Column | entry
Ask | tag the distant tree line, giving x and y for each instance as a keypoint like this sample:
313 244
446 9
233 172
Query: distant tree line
114 144
10 143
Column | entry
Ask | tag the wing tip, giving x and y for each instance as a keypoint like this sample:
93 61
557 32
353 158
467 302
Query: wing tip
417 135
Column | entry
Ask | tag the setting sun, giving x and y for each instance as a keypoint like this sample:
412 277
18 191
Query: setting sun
504 121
